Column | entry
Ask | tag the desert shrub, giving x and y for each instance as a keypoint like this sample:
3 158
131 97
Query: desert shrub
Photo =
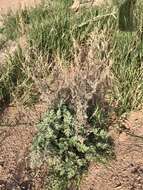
68 147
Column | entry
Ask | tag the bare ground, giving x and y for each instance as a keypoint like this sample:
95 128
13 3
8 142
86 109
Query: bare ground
16 135
15 171
126 171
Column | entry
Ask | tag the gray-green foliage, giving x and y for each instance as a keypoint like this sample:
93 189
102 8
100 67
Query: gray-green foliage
69 147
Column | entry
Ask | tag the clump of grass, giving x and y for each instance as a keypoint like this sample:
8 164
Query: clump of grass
125 51
56 28
15 83
12 74
11 26
14 24
128 73
53 30
68 147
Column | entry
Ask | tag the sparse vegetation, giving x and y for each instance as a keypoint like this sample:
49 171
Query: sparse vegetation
88 53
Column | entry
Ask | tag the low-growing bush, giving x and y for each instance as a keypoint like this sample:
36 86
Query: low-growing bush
68 147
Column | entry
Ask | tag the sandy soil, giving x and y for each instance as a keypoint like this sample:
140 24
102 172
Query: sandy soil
126 171
14 170
16 135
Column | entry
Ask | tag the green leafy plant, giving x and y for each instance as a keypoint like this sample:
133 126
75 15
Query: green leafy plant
69 147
